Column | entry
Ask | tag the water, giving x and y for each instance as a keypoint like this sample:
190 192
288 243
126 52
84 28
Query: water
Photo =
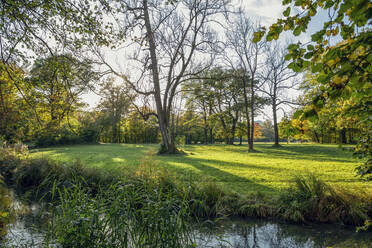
22 233
27 232
267 234
27 229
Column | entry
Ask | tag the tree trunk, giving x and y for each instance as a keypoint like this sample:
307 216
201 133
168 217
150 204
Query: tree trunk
246 105
167 140
317 140
350 132
343 139
205 129
119 133
233 129
227 138
252 116
114 131
276 130
173 129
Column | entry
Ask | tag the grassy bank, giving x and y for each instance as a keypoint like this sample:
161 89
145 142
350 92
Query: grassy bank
305 199
147 202
268 171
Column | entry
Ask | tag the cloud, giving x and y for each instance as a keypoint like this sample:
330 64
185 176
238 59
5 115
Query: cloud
264 11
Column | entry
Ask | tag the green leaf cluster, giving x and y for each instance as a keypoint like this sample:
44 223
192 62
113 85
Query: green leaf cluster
344 70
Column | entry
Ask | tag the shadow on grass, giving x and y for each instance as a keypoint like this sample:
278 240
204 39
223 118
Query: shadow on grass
300 152
128 157
215 174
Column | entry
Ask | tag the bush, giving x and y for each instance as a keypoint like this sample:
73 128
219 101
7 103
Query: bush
65 136
10 158
88 135
310 199
124 215
207 201
4 208
46 138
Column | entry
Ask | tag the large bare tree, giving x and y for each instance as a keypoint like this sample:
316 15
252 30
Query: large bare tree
244 57
171 43
277 80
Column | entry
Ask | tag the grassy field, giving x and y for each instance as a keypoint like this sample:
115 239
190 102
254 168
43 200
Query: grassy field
267 171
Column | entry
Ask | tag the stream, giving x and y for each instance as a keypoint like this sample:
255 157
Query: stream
236 233
27 231
240 233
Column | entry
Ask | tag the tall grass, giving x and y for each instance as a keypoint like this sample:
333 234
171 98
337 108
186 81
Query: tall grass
4 208
152 208
122 215
310 199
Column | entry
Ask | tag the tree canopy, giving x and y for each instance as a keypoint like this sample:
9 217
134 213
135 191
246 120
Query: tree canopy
344 69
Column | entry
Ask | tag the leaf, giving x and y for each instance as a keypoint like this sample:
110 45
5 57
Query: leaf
312 11
309 55
316 68
311 115
332 54
298 114
287 56
297 31
318 36
348 89
305 64
258 36
323 78
310 47
287 12
4 214
291 65
293 46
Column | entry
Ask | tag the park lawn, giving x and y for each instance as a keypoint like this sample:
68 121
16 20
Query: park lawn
268 171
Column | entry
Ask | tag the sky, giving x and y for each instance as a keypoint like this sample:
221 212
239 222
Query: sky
265 12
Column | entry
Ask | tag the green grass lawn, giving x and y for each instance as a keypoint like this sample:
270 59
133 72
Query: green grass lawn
232 167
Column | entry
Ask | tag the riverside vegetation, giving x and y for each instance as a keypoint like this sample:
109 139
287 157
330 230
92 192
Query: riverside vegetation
184 81
94 207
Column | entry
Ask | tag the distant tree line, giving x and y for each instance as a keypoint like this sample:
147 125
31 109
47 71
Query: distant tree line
46 109
49 110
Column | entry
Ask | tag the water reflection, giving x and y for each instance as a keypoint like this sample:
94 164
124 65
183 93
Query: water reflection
27 231
28 228
23 233
263 234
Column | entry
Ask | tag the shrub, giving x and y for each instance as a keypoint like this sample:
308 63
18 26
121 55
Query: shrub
57 136
310 199
67 137
31 173
133 214
88 135
207 201
4 208
10 158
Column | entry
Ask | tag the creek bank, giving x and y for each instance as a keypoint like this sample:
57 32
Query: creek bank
309 200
